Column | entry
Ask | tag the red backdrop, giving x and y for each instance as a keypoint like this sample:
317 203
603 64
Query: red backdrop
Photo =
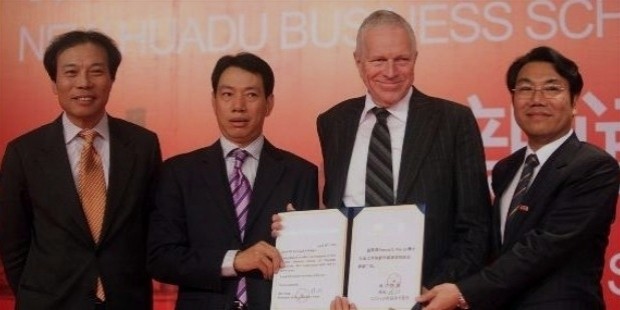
170 48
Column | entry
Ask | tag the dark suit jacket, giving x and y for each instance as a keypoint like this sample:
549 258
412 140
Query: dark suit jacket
194 223
442 166
50 258
553 254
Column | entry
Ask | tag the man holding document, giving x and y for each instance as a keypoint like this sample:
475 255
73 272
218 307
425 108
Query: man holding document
210 230
398 146
555 201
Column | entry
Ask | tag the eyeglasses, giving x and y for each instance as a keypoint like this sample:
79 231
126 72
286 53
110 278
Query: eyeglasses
549 91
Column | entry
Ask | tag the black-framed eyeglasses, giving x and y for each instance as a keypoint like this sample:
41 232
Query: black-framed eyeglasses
548 91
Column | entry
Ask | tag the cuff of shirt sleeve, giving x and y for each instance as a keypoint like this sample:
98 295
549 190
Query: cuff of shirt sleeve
462 303
228 269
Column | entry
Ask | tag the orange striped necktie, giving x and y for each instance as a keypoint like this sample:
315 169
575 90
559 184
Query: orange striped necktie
92 190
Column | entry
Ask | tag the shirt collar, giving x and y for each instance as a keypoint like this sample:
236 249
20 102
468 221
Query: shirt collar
545 152
398 110
254 148
71 130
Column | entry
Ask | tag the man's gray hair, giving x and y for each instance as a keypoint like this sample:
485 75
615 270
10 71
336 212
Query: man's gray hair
383 18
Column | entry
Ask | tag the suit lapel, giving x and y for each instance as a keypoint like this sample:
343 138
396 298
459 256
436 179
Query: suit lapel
212 169
54 164
268 175
122 163
345 133
420 132
502 178
543 185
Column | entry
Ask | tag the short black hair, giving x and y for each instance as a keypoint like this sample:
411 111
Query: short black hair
70 39
248 62
565 67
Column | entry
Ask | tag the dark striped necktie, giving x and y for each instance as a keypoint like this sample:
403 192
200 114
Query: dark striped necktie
524 181
379 177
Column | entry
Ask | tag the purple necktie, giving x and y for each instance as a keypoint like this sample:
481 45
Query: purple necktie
241 192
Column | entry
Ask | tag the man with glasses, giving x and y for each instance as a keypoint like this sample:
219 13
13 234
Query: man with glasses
555 200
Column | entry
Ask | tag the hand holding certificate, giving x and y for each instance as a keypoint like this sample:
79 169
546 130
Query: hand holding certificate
373 255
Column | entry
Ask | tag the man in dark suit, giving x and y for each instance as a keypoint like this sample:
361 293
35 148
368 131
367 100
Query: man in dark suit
55 255
198 238
550 229
436 151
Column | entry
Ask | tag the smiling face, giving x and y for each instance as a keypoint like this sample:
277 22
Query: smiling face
543 120
240 105
385 61
83 83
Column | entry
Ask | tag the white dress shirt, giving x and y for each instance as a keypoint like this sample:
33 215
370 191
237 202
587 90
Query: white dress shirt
355 188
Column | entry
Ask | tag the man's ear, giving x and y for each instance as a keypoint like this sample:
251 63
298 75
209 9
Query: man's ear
270 103
574 104
54 87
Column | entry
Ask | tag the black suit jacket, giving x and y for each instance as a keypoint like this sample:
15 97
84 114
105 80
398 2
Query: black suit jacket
194 223
442 167
50 258
553 252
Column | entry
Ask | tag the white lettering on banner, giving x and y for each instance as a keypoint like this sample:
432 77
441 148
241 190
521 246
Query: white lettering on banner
46 33
563 20
435 23
292 34
550 22
491 7
427 22
301 29
595 104
159 42
332 30
191 35
216 34
614 266
463 22
553 19
244 35
455 15
215 26
581 128
492 125
611 132
352 21
602 16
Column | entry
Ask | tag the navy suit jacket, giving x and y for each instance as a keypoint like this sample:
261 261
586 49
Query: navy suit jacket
50 258
442 167
195 224
553 252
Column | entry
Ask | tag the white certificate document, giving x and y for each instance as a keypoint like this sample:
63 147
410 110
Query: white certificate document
312 244
385 259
